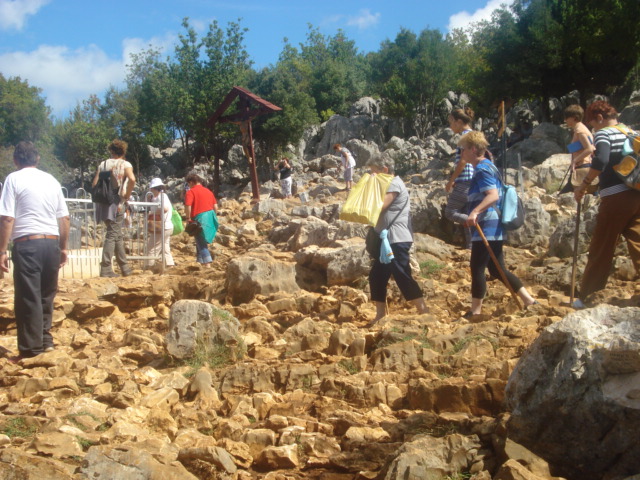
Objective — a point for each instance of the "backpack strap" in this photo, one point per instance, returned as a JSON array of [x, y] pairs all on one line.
[[495, 205]]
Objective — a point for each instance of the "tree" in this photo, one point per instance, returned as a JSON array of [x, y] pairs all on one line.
[[543, 48], [412, 74], [337, 72], [23, 112], [84, 137], [286, 85]]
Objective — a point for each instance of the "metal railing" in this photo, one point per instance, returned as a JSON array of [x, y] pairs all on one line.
[[141, 230]]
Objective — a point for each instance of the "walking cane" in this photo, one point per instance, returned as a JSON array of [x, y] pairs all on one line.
[[576, 236], [497, 264]]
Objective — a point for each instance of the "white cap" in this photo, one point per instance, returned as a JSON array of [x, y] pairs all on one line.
[[156, 182]]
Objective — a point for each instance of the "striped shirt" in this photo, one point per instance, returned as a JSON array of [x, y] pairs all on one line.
[[609, 142], [485, 178], [467, 173]]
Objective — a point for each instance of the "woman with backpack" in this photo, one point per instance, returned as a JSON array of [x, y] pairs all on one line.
[[119, 172], [485, 192], [619, 210], [160, 219]]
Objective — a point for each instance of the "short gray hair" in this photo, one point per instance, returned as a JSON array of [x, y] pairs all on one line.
[[381, 160]]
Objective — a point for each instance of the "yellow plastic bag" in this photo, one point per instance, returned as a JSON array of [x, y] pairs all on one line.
[[365, 200]]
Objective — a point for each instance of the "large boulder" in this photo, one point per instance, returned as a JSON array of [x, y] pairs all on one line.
[[256, 274], [194, 321], [575, 394]]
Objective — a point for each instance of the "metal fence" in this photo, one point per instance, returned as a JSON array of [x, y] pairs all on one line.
[[142, 228]]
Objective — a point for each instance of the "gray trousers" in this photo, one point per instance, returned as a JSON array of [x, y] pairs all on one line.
[[114, 244], [35, 278]]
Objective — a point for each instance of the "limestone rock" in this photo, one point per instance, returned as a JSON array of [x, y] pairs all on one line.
[[249, 276], [106, 463], [575, 394], [193, 321]]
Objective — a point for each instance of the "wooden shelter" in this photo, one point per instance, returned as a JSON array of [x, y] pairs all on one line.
[[250, 106]]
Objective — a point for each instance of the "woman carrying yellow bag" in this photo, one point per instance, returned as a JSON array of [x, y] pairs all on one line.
[[395, 218], [365, 200]]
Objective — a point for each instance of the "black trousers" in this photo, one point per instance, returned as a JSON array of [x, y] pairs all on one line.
[[35, 277], [480, 260], [400, 268]]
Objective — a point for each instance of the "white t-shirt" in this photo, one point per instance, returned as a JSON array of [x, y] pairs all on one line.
[[168, 224], [34, 199], [347, 159]]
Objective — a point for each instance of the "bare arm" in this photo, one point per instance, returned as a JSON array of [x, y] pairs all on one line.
[[6, 227], [63, 232], [490, 197], [95, 178], [128, 173], [456, 173], [587, 149], [579, 192], [187, 211]]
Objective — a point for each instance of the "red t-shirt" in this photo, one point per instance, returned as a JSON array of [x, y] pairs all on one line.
[[200, 199]]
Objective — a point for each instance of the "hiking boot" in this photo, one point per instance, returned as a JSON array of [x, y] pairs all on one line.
[[126, 272]]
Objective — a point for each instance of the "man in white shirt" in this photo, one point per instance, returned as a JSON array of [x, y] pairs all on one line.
[[34, 216]]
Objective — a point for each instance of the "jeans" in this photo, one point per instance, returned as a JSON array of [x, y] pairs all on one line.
[[202, 249], [114, 243]]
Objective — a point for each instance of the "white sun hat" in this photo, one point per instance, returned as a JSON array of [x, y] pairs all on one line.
[[156, 182]]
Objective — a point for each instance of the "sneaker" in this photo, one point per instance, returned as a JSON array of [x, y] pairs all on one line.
[[126, 272], [109, 274], [49, 349], [578, 304]]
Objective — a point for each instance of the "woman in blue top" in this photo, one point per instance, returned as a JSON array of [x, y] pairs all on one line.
[[484, 193], [458, 184]]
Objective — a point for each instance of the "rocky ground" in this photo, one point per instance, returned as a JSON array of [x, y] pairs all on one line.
[[308, 389]]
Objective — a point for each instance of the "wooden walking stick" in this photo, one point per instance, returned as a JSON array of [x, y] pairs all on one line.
[[497, 264], [576, 237]]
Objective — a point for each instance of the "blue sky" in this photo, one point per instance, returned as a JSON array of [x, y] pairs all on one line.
[[73, 48]]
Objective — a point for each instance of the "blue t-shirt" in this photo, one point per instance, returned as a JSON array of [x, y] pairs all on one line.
[[485, 178]]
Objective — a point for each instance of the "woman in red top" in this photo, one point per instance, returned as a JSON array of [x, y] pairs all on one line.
[[200, 205]]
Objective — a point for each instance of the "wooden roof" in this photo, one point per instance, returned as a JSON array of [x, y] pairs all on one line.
[[262, 107]]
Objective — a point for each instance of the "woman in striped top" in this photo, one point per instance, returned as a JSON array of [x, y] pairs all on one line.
[[458, 184], [619, 211]]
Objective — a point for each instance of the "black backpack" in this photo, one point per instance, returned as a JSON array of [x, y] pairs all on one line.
[[104, 191]]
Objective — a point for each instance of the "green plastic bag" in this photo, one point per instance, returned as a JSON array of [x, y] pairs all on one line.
[[176, 219]]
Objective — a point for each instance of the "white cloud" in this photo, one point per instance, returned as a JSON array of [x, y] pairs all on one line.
[[364, 19], [13, 13], [67, 76], [464, 19]]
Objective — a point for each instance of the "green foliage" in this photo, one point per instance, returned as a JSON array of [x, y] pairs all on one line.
[[82, 139], [429, 268], [349, 366], [85, 443], [23, 113], [18, 427], [412, 73], [542, 48], [214, 355]]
